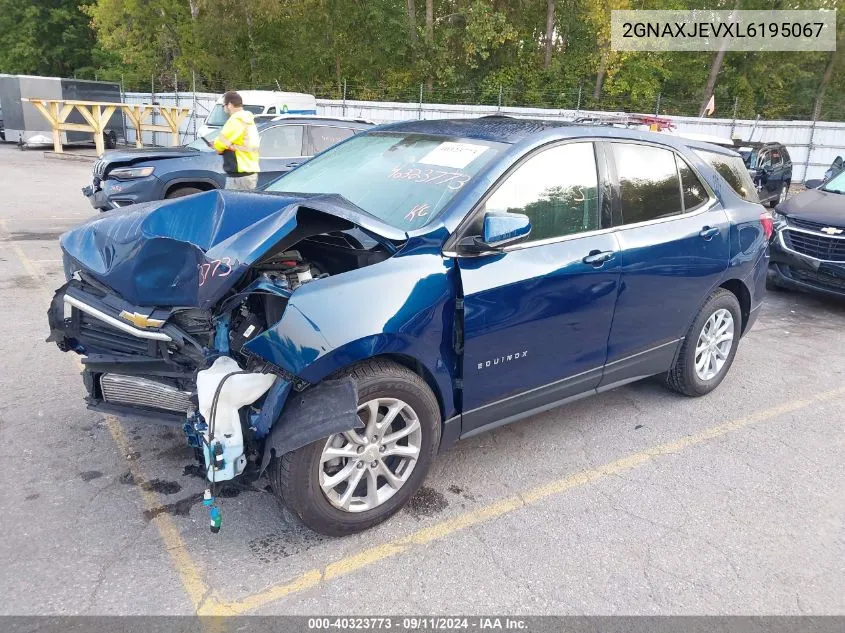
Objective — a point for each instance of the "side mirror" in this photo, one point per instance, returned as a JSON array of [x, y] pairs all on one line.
[[814, 183], [504, 229]]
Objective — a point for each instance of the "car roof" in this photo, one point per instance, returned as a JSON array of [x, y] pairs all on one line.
[[505, 129], [290, 119], [709, 147]]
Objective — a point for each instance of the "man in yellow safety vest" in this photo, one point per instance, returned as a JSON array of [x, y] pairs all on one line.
[[238, 143]]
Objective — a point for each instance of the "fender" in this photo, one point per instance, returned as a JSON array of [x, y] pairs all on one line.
[[328, 408], [203, 180], [402, 305]]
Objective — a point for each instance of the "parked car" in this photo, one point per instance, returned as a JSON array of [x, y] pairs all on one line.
[[129, 176], [416, 284], [261, 103], [771, 169], [808, 245]]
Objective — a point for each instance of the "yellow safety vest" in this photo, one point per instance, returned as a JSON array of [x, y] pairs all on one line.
[[240, 156]]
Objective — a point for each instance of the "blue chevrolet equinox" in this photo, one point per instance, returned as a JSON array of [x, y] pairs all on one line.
[[416, 284]]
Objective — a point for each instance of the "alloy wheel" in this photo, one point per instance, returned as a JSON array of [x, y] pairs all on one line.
[[714, 344], [361, 469]]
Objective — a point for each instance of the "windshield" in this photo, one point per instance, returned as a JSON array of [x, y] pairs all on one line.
[[836, 184], [403, 179], [217, 117]]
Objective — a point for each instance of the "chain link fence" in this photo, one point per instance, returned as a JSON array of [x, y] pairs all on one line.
[[813, 143]]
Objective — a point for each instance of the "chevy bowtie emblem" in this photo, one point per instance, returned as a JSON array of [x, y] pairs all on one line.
[[832, 230], [140, 320]]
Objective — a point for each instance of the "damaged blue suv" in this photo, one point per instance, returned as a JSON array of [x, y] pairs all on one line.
[[416, 284]]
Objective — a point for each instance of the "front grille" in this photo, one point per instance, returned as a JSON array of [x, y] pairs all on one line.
[[817, 246], [99, 169], [141, 392], [99, 335], [817, 278], [807, 224]]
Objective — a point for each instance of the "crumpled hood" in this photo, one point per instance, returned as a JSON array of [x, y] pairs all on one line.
[[134, 155], [191, 251], [817, 206]]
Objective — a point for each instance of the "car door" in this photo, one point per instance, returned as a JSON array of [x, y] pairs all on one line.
[[536, 315], [776, 176], [674, 240], [280, 150], [321, 137], [764, 175]]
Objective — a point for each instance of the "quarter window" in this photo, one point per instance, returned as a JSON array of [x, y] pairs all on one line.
[[557, 189], [695, 194], [648, 181], [282, 141], [734, 171]]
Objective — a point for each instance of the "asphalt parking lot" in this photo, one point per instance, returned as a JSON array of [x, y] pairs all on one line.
[[634, 502]]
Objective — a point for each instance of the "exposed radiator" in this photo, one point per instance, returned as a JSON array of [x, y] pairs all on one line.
[[141, 392]]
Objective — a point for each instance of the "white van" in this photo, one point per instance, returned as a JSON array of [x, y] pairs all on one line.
[[261, 102]]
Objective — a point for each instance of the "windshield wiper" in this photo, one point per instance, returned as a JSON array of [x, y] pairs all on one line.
[[833, 191]]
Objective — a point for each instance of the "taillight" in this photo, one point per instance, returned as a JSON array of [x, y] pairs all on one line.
[[767, 223]]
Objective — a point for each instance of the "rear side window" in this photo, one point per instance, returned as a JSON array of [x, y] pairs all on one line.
[[695, 193], [732, 169], [648, 181], [321, 137]]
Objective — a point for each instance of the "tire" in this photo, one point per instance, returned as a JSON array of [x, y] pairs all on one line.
[[296, 477], [784, 191], [683, 377], [110, 139], [181, 192]]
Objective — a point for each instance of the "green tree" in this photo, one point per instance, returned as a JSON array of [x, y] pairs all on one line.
[[44, 37]]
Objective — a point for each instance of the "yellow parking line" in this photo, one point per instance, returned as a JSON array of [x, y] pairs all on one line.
[[205, 603], [181, 560], [370, 556]]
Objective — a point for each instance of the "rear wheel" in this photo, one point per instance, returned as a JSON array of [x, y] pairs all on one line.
[[110, 139], [181, 192], [709, 348], [351, 481]]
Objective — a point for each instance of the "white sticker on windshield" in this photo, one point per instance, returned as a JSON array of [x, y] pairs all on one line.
[[450, 154]]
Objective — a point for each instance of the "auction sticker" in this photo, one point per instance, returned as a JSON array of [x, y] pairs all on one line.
[[450, 154]]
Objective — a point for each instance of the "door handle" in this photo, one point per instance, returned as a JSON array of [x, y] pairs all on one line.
[[709, 232], [598, 258]]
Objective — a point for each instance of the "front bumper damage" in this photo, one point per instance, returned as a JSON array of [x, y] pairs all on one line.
[[167, 374]]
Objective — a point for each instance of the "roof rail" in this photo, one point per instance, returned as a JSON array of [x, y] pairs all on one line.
[[623, 119]]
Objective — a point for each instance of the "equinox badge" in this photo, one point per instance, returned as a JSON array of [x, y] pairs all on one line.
[[140, 320]]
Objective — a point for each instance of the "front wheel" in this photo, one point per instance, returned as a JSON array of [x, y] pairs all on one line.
[[709, 347], [784, 191], [354, 480], [181, 192]]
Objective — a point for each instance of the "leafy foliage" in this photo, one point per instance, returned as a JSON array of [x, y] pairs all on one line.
[[480, 51]]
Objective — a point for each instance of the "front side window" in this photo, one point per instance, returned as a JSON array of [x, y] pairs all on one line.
[[404, 179], [281, 141], [648, 182], [765, 160], [557, 189]]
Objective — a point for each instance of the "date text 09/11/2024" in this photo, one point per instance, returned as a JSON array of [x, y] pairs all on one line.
[[417, 623]]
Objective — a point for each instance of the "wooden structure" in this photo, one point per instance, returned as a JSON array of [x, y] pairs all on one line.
[[98, 113]]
